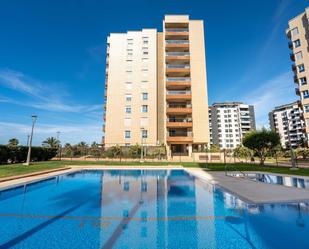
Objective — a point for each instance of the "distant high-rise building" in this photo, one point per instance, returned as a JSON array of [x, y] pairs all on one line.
[[287, 121], [156, 87], [229, 123], [298, 33]]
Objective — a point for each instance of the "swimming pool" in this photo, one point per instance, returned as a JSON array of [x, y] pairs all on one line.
[[288, 181], [143, 209]]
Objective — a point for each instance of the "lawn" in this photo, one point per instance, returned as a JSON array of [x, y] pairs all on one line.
[[19, 169]]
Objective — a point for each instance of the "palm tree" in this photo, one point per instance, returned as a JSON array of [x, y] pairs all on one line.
[[68, 150], [95, 150], [82, 148], [13, 142], [51, 142]]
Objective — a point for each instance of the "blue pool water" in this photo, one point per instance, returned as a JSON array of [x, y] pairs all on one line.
[[143, 209]]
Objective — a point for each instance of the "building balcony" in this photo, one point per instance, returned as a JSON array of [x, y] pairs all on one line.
[[181, 57], [178, 79], [176, 35], [290, 45], [176, 29], [178, 95], [173, 70], [292, 57], [180, 137], [297, 92], [171, 109], [179, 123]]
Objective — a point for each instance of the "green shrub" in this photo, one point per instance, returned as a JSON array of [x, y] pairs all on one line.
[[18, 154]]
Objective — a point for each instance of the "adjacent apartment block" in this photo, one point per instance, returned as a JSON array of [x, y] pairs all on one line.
[[156, 87], [229, 123], [287, 121], [298, 33]]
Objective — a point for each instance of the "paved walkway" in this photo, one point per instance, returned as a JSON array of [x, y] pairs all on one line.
[[251, 191]]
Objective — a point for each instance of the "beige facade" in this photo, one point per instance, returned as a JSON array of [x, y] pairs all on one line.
[[298, 33], [176, 87]]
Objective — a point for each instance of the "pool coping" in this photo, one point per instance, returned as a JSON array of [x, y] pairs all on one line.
[[222, 181]]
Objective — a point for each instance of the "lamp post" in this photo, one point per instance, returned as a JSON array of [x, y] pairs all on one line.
[[290, 143], [59, 147], [34, 118], [142, 148], [28, 138]]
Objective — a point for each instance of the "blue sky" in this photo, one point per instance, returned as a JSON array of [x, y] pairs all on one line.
[[52, 58]]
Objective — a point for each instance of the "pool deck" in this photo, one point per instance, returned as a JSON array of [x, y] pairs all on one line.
[[251, 191], [247, 190]]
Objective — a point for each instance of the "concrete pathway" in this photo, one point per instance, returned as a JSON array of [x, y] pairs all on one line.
[[251, 191]]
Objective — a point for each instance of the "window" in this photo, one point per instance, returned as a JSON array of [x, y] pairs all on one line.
[[303, 81], [127, 134], [306, 94], [294, 32], [127, 122], [296, 43], [128, 109], [128, 97], [306, 108], [144, 96], [145, 52], [128, 85], [144, 133], [301, 68], [298, 56], [145, 108]]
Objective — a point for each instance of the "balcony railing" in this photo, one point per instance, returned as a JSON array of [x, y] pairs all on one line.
[[180, 66], [177, 41], [176, 30], [178, 92], [177, 54], [180, 134], [179, 106], [179, 120], [178, 79]]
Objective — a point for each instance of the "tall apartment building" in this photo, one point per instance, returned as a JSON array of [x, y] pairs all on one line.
[[229, 123], [298, 33], [287, 121], [156, 87]]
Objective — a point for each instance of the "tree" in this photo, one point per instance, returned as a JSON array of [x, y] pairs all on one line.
[[13, 142], [82, 148], [242, 152], [213, 148], [95, 149], [51, 142], [159, 152], [261, 142], [303, 152], [135, 151], [68, 150]]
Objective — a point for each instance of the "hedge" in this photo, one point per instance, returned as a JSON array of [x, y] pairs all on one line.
[[18, 154]]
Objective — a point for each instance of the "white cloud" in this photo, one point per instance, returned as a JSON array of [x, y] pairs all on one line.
[[42, 97], [73, 133], [276, 91]]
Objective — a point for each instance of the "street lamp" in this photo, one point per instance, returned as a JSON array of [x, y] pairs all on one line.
[[34, 118], [59, 145], [142, 148], [289, 138]]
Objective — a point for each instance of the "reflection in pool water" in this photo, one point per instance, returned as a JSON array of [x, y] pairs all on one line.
[[289, 181], [143, 209]]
